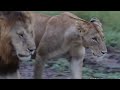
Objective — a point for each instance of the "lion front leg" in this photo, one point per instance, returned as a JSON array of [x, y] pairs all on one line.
[[76, 62], [38, 67]]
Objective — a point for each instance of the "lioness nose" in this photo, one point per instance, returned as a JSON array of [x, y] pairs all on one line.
[[104, 52]]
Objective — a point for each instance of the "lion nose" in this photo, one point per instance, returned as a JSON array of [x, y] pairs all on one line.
[[31, 49]]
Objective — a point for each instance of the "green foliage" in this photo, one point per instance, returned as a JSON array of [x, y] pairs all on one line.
[[112, 37], [61, 65], [96, 74]]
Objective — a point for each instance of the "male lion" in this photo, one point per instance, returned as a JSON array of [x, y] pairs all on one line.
[[66, 34], [16, 41]]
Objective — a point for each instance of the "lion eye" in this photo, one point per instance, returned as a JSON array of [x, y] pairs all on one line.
[[21, 35]]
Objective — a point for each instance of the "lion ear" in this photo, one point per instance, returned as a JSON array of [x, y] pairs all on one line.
[[96, 21]]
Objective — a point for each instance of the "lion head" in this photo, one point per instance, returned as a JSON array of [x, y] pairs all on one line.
[[93, 36], [16, 35]]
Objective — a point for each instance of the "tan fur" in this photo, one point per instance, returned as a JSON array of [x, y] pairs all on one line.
[[66, 34], [12, 22]]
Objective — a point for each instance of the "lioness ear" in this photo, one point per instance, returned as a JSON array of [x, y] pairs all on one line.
[[96, 21]]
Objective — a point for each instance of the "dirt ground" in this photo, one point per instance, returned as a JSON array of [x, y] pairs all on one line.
[[106, 67]]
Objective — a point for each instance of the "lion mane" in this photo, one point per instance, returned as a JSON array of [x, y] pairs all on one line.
[[9, 62]]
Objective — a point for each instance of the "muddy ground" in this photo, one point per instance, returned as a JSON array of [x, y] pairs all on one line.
[[106, 67]]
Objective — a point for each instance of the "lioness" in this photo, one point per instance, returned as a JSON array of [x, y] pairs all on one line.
[[16, 41], [66, 34]]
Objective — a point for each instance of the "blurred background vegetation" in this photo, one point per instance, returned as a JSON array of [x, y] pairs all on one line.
[[110, 20]]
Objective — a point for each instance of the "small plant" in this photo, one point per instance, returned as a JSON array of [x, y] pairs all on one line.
[[61, 65]]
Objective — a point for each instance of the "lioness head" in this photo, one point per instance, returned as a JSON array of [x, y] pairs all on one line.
[[93, 37], [20, 33]]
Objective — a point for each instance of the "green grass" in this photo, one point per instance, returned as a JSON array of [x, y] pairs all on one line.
[[63, 66], [112, 37], [96, 74]]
